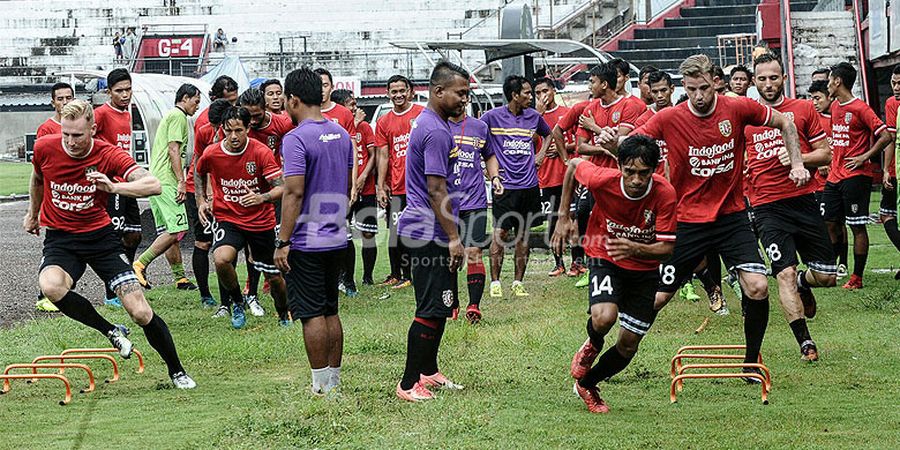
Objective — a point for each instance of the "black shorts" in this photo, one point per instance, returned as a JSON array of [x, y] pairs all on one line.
[[101, 249], [365, 214], [632, 291], [260, 243], [550, 197], [820, 200], [312, 283], [584, 204], [395, 207], [889, 200], [730, 236], [436, 290], [202, 233], [793, 225], [473, 228], [848, 201], [124, 213], [517, 209]]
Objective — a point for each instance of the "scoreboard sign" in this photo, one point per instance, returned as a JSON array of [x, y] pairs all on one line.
[[171, 47]]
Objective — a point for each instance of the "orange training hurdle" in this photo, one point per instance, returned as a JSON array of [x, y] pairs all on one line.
[[34, 370], [677, 369], [678, 379], [762, 367], [28, 376], [137, 353], [64, 358]]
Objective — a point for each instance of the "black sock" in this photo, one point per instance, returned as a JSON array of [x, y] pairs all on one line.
[[707, 279], [610, 363], [418, 347], [578, 254], [859, 264], [890, 227], [160, 339], [475, 278], [394, 256], [131, 252], [369, 255], [595, 337], [224, 296], [350, 262], [430, 365], [252, 279], [109, 293], [801, 332], [405, 263], [755, 323], [81, 310], [559, 261], [841, 250], [236, 296], [200, 264]]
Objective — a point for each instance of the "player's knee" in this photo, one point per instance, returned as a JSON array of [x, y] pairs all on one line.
[[474, 255], [131, 240], [788, 275], [756, 287], [140, 312], [603, 319], [52, 288], [858, 230], [628, 346]]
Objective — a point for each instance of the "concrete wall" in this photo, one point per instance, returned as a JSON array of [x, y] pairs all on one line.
[[14, 126], [823, 39]]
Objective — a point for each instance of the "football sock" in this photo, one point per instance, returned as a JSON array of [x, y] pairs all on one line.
[[394, 256], [707, 279], [578, 254], [252, 278], [430, 366], [147, 257], [595, 337], [224, 296], [559, 261], [890, 227], [801, 332], [802, 284], [859, 264], [109, 293], [755, 323], [178, 271], [334, 380], [405, 263], [418, 348], [369, 255], [610, 363], [81, 310], [200, 263], [130, 252], [159, 337], [841, 249], [350, 262], [475, 277], [320, 379]]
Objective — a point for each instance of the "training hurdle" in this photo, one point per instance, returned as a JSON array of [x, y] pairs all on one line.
[[62, 366], [30, 376], [64, 358], [136, 352], [678, 368]]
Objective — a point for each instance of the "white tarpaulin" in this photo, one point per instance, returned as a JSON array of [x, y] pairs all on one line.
[[234, 68]]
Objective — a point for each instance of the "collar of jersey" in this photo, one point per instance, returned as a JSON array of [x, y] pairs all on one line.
[[711, 110], [411, 106], [776, 104], [647, 192], [848, 101], [230, 153], [604, 106], [77, 157], [120, 111]]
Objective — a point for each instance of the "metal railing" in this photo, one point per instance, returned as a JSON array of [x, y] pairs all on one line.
[[742, 46]]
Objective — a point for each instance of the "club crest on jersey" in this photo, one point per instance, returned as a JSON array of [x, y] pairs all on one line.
[[725, 128], [649, 217], [412, 123], [616, 116], [273, 141], [447, 297], [789, 115], [90, 169], [854, 208], [848, 117], [251, 168]]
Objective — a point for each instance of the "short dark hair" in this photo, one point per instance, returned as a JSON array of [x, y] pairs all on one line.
[[821, 72], [116, 76], [744, 69], [845, 72], [513, 84], [340, 96], [646, 70], [896, 70], [544, 80], [186, 89], [253, 97], [320, 71], [639, 147], [606, 72], [306, 85], [820, 86], [236, 113], [659, 75], [217, 110], [444, 71], [222, 84], [399, 78], [718, 72], [59, 86], [621, 66], [682, 99], [269, 82], [765, 58]]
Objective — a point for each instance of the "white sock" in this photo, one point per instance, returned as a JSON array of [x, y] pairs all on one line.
[[320, 379], [516, 283], [335, 379], [495, 283]]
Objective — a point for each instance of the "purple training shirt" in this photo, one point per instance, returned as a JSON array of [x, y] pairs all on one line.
[[431, 151], [322, 152], [511, 138], [471, 137]]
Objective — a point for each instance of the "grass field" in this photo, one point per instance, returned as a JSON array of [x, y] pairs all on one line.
[[14, 177], [253, 383]]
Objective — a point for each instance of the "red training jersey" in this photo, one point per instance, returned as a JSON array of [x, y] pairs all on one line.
[[646, 219], [341, 116], [113, 126], [392, 131], [890, 120], [706, 154], [663, 149], [767, 176], [365, 143], [272, 133], [203, 138], [200, 119], [553, 170], [233, 175], [620, 113], [50, 126], [852, 125], [71, 203]]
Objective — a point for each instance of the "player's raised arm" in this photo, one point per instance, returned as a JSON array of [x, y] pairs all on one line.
[[799, 175]]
